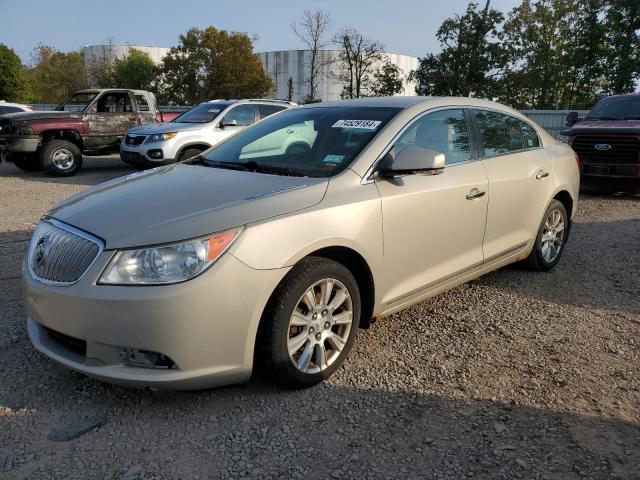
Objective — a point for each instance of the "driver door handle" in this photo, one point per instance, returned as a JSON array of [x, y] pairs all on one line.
[[475, 193], [542, 174]]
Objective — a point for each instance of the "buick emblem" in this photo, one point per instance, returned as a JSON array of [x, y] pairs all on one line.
[[41, 250], [602, 147]]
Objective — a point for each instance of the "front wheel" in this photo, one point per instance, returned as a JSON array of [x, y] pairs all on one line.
[[61, 158], [310, 324], [551, 238]]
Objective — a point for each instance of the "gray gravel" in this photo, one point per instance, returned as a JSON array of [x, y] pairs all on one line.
[[515, 375]]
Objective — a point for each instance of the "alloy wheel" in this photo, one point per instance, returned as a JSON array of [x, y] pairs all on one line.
[[552, 235], [320, 325]]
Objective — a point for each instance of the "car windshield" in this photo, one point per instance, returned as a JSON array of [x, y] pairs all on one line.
[[314, 142], [203, 113], [76, 102], [616, 108]]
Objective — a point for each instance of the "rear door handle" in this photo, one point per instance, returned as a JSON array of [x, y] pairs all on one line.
[[475, 193], [542, 174]]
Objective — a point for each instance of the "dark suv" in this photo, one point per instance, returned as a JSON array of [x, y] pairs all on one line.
[[607, 141]]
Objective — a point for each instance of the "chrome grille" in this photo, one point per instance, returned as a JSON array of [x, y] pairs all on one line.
[[61, 254], [620, 149]]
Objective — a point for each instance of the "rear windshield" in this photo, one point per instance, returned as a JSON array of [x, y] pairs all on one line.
[[314, 142], [203, 113], [616, 108]]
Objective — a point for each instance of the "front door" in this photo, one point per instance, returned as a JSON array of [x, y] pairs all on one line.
[[433, 225], [109, 120], [519, 172], [236, 119]]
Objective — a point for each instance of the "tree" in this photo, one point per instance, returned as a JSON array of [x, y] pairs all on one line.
[[472, 56], [13, 85], [55, 75], [208, 64], [623, 45], [357, 59], [135, 71], [387, 81], [312, 30]]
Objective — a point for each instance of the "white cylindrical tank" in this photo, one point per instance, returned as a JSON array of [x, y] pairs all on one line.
[[94, 53], [283, 65]]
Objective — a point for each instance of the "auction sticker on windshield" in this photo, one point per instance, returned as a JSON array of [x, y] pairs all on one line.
[[362, 124]]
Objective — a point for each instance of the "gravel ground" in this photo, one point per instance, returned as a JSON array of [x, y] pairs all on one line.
[[515, 375]]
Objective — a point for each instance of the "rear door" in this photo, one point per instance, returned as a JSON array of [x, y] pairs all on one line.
[[433, 225], [519, 172]]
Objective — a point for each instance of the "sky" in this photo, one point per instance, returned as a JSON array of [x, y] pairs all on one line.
[[403, 26]]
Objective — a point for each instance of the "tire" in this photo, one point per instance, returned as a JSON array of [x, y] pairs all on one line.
[[543, 258], [275, 331], [27, 162], [61, 158], [188, 153]]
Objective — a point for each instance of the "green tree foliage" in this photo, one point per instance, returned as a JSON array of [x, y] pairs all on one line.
[[471, 57], [387, 81], [209, 64], [55, 75], [13, 85], [623, 45], [546, 54], [135, 71]]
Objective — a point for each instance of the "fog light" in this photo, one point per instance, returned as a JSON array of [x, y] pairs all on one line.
[[146, 359], [155, 154]]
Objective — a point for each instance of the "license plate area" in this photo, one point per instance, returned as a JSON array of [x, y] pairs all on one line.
[[599, 170]]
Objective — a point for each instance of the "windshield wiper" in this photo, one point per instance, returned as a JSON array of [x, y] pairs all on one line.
[[248, 166]]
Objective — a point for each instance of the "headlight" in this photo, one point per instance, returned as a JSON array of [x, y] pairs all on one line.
[[158, 137], [173, 263]]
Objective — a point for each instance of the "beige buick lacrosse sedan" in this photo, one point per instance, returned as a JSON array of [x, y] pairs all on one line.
[[186, 276]]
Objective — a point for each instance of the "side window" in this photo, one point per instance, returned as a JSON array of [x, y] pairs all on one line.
[[266, 110], [503, 133], [244, 115], [114, 103], [4, 110], [143, 104], [445, 131]]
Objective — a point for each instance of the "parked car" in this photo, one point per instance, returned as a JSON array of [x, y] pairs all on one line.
[[6, 107], [90, 122], [188, 275], [196, 130], [607, 142]]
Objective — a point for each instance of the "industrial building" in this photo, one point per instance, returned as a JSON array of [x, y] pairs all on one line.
[[283, 65]]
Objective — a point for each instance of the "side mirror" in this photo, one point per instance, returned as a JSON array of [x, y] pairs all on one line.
[[411, 159], [228, 123], [572, 119]]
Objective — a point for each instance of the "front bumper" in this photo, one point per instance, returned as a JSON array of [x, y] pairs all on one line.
[[207, 325], [19, 143], [140, 154]]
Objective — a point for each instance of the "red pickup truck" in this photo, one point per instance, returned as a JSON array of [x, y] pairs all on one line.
[[607, 142], [89, 122]]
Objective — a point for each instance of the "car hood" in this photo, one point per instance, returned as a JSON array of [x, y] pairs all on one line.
[[26, 116], [151, 128], [604, 127], [180, 201]]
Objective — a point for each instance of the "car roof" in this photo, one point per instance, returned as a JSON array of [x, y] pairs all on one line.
[[404, 102]]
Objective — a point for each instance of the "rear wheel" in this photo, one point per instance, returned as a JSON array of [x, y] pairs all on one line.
[[27, 162], [551, 238], [310, 323], [61, 158]]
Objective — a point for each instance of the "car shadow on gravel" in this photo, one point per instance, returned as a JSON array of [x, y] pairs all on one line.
[[94, 170], [329, 431], [599, 269]]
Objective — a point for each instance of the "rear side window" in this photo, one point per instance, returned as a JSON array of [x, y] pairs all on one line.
[[266, 110], [444, 131], [502, 133], [9, 110], [143, 105]]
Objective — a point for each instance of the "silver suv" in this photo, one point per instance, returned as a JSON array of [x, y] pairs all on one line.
[[195, 130]]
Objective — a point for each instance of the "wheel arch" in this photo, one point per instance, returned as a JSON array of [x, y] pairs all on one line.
[[70, 135], [187, 146], [564, 197]]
